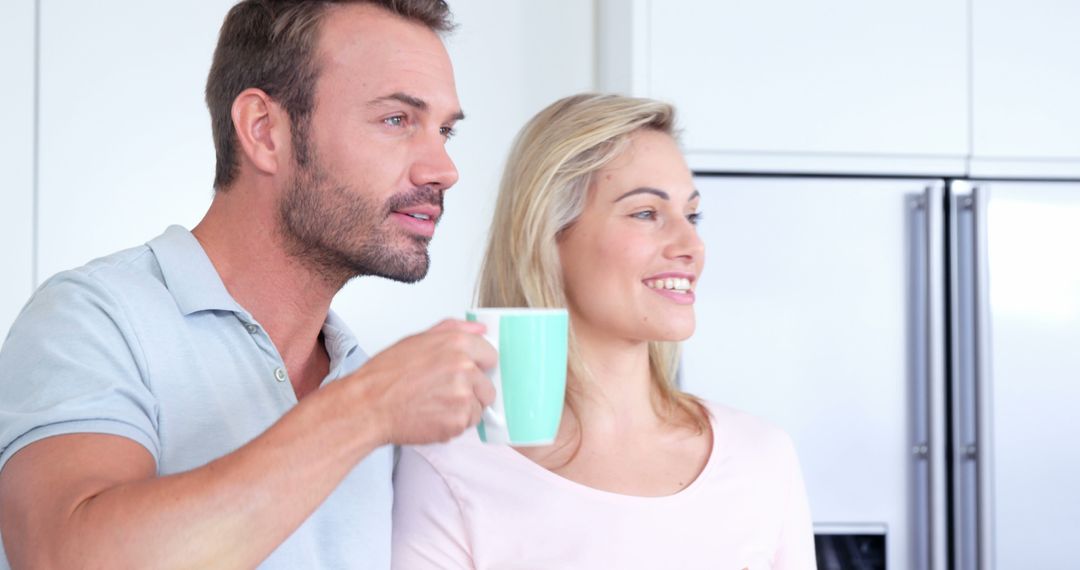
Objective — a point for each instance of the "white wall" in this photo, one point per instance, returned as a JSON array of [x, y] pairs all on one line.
[[124, 133], [126, 148], [16, 157]]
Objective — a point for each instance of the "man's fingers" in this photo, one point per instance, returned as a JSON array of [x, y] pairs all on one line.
[[483, 354], [475, 415], [484, 390], [459, 325]]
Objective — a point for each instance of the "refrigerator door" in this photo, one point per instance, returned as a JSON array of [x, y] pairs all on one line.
[[1029, 394], [821, 309]]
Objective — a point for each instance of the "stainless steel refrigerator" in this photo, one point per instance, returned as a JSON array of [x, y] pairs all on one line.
[[919, 339]]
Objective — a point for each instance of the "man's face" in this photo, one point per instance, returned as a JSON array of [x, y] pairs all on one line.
[[368, 198]]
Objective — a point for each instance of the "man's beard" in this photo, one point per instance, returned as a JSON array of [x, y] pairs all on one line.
[[340, 232]]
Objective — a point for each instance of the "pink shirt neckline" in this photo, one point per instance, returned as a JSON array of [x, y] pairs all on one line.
[[532, 468]]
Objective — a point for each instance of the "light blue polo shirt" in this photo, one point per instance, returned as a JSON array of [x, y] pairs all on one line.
[[148, 344]]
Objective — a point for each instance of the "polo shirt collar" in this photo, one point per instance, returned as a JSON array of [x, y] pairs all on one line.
[[189, 274], [196, 285], [338, 338]]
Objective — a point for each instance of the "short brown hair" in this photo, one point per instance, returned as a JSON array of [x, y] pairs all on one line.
[[270, 45]]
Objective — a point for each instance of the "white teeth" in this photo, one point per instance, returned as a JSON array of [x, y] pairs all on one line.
[[672, 284]]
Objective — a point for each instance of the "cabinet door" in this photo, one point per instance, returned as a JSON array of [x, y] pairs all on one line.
[[1026, 84], [16, 158], [787, 85], [125, 136], [820, 309]]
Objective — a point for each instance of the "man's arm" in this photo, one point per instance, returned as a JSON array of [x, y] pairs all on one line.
[[91, 500]]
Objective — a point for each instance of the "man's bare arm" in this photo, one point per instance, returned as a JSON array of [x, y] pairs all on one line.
[[91, 500]]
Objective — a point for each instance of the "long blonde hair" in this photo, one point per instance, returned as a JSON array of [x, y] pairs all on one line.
[[542, 193]]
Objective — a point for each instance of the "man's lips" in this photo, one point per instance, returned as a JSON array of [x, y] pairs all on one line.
[[419, 220], [422, 212]]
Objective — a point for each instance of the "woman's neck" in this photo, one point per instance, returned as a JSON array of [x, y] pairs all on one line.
[[611, 436], [616, 392]]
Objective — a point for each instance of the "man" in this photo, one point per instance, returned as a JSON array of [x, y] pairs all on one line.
[[193, 402]]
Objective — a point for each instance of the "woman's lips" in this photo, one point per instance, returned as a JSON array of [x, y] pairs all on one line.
[[682, 298]]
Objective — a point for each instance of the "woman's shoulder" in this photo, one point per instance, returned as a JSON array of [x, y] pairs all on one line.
[[742, 434], [467, 443], [458, 458], [480, 476]]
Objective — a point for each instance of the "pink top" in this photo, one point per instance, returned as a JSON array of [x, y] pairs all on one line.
[[467, 504]]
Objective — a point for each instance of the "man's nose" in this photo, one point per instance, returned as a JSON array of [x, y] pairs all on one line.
[[434, 167]]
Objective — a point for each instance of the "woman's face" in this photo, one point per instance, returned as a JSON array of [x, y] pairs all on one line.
[[632, 260]]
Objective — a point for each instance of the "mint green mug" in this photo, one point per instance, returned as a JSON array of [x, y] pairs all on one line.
[[530, 378]]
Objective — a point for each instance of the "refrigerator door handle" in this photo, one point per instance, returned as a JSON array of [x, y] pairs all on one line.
[[919, 294], [984, 460], [926, 302], [971, 393]]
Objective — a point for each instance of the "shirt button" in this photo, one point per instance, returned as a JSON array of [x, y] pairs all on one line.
[[279, 373], [251, 328]]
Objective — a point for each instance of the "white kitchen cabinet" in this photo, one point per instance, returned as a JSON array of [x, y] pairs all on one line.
[[124, 133], [16, 158], [821, 309], [783, 85], [1026, 88]]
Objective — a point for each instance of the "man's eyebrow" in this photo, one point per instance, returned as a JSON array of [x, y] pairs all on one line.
[[412, 101]]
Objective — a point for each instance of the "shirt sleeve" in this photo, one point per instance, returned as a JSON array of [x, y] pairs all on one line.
[[72, 364], [795, 550], [428, 527]]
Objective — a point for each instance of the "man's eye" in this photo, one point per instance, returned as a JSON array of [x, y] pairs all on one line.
[[644, 215], [395, 121]]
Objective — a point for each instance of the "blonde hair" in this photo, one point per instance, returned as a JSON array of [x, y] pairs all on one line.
[[543, 192]]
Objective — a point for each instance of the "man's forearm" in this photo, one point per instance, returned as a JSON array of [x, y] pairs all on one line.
[[232, 512]]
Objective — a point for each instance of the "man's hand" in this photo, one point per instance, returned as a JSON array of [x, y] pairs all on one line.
[[429, 387]]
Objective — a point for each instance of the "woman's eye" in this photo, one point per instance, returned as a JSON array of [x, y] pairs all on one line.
[[694, 218], [447, 132], [644, 215]]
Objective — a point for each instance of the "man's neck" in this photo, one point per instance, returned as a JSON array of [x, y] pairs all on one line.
[[284, 295]]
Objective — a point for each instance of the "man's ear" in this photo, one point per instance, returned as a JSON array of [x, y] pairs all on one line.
[[262, 129]]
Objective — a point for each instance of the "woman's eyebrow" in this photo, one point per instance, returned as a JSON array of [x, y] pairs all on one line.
[[644, 190]]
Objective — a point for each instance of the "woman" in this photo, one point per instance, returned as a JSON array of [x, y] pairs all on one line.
[[597, 213]]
